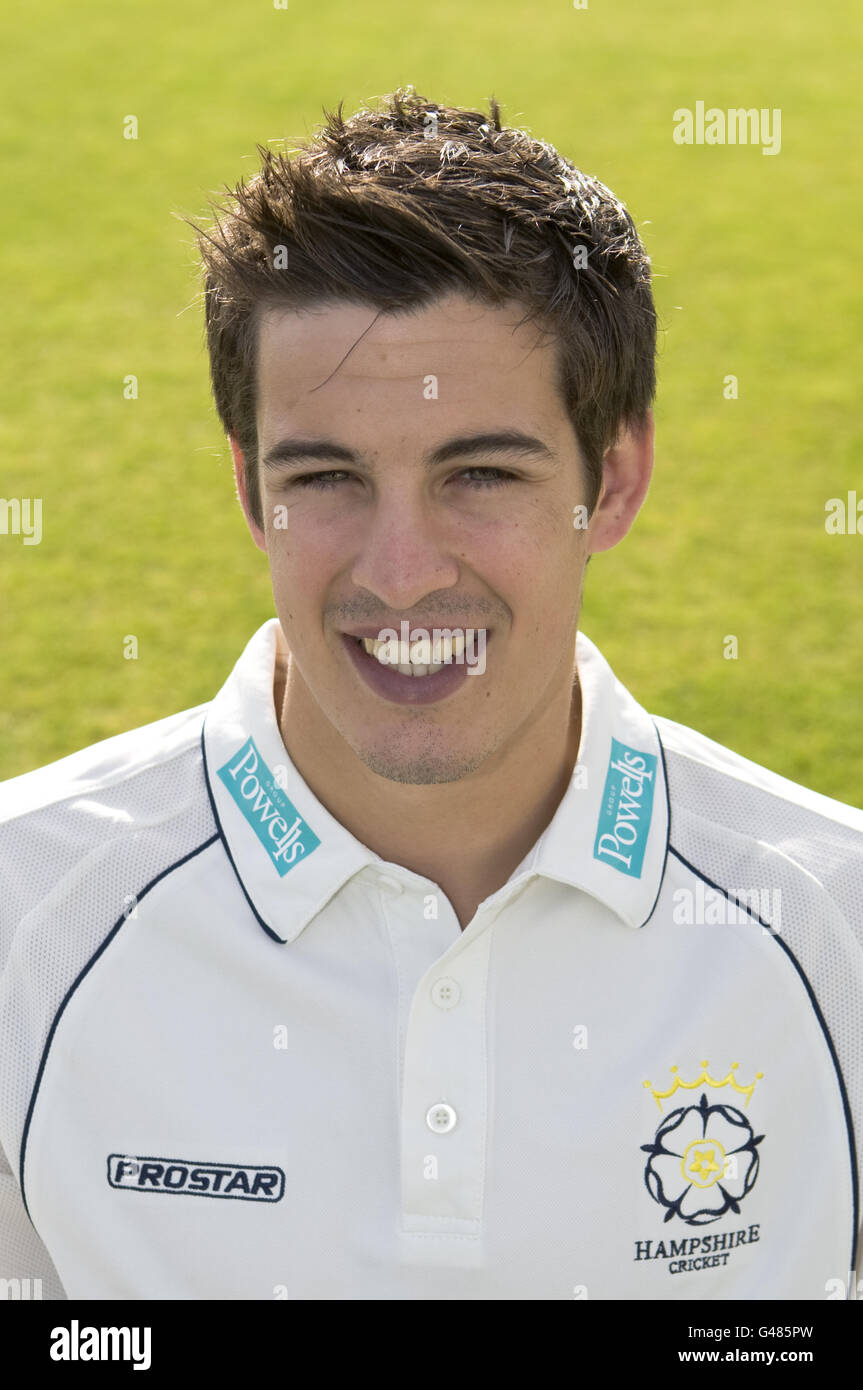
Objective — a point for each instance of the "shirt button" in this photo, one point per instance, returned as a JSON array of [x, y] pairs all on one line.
[[446, 992], [441, 1118]]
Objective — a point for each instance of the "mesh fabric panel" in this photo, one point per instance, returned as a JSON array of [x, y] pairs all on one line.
[[69, 870]]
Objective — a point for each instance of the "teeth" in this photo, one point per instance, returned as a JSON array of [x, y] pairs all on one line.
[[425, 658], [442, 649]]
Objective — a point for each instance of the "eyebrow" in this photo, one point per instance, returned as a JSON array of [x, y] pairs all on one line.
[[292, 453]]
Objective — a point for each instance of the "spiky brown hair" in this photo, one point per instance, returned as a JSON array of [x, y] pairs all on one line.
[[399, 204]]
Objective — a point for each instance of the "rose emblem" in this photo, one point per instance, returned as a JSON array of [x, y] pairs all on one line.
[[703, 1161]]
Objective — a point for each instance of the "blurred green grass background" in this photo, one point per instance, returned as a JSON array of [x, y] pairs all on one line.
[[757, 273]]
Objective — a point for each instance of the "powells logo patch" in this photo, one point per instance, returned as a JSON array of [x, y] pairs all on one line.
[[273, 817], [241, 1181], [704, 1157], [627, 806]]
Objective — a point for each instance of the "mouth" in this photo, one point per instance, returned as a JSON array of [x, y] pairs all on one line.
[[414, 681]]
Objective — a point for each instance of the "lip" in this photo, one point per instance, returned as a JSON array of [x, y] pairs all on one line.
[[390, 685], [374, 630]]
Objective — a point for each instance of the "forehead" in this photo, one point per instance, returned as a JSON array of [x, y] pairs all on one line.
[[356, 359]]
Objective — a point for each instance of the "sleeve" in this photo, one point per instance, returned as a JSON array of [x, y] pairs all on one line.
[[26, 1268]]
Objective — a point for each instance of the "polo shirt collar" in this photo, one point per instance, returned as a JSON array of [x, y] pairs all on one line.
[[608, 837], [289, 854]]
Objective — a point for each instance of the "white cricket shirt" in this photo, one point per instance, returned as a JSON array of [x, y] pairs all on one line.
[[243, 1057]]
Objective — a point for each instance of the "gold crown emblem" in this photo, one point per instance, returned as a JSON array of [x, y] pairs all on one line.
[[704, 1080]]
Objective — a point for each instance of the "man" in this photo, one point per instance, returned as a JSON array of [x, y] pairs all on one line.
[[429, 958]]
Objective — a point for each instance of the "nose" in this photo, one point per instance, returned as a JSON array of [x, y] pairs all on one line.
[[403, 554]]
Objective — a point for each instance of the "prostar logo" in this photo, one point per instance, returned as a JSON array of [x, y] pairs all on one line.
[[273, 817], [242, 1181], [627, 807]]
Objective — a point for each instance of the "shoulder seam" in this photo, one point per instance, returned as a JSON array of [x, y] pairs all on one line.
[[107, 782], [778, 793]]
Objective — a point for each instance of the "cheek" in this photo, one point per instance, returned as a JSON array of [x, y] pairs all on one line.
[[536, 548], [300, 546]]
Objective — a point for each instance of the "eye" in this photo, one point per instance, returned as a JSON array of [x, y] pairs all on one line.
[[321, 480], [488, 477]]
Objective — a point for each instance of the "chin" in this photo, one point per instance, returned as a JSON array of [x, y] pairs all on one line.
[[422, 767]]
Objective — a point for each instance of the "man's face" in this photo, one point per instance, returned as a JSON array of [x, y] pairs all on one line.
[[396, 529]]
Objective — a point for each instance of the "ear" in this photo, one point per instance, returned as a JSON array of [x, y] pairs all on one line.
[[626, 471], [240, 478]]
